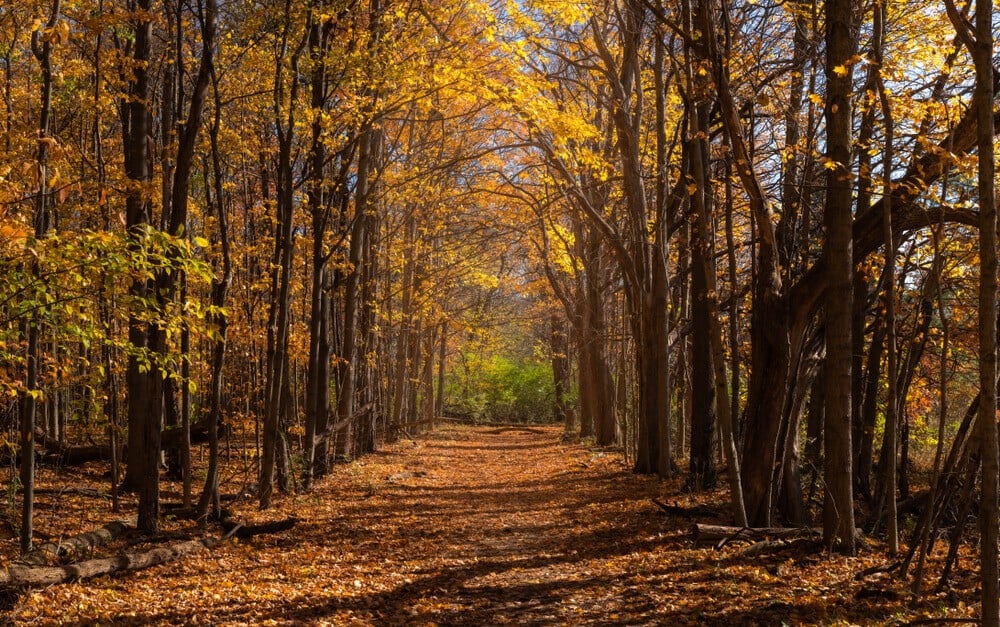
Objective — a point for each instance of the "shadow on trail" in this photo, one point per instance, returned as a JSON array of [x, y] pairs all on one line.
[[559, 535], [476, 603], [491, 447]]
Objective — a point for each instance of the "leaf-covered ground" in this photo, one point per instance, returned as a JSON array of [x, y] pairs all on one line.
[[484, 526]]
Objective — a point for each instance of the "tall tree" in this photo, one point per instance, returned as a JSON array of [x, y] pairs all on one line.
[[42, 40], [838, 506], [642, 253], [981, 45], [145, 407], [288, 53]]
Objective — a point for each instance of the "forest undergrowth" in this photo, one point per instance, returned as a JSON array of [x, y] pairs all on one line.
[[477, 525]]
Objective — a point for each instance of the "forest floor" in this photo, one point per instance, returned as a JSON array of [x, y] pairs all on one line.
[[482, 526]]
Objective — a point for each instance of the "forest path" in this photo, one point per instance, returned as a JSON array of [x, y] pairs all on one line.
[[475, 526]]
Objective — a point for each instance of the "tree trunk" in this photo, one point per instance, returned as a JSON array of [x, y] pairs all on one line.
[[348, 354], [25, 576], [210, 498], [427, 376], [703, 474], [651, 366], [442, 362], [869, 409], [559, 347], [280, 305], [32, 325], [838, 510], [402, 365], [321, 199], [603, 395], [145, 408], [766, 392], [982, 52], [702, 471]]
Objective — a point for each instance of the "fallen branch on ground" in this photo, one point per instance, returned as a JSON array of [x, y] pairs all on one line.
[[878, 569], [244, 532], [74, 545], [711, 534], [75, 455], [767, 547], [687, 512], [721, 534], [20, 575], [89, 492]]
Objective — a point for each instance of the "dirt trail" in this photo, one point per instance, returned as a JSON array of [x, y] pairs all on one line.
[[475, 526]]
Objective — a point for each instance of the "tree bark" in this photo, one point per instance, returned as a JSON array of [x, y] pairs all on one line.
[[32, 326], [321, 199], [280, 305], [838, 509], [74, 545], [348, 353], [145, 403], [442, 363], [26, 576], [989, 522], [559, 347], [210, 498]]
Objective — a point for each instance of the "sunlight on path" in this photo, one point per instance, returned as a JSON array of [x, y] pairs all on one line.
[[472, 526], [522, 528]]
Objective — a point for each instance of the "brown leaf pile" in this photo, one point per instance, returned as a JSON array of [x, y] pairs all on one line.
[[488, 526]]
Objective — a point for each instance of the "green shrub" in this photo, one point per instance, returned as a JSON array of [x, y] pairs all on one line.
[[497, 389]]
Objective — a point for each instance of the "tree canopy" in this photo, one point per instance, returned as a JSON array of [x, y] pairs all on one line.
[[747, 242]]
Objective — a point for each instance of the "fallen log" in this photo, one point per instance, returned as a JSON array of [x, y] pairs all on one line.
[[706, 534], [89, 492], [75, 455], [244, 532], [768, 547], [20, 575], [76, 545], [697, 511], [160, 538], [878, 569], [174, 437], [65, 455], [721, 534]]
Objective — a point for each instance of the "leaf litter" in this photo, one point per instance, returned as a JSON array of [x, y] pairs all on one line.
[[472, 525]]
